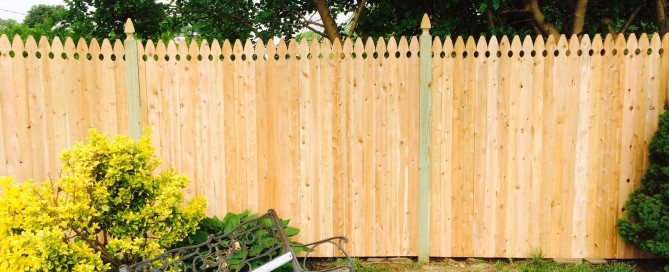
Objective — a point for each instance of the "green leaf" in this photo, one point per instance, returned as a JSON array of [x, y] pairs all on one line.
[[199, 237], [483, 7], [290, 231], [285, 222], [495, 4], [230, 221]]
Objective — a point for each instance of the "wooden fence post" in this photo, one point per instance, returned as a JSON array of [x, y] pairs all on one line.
[[424, 148], [132, 81]]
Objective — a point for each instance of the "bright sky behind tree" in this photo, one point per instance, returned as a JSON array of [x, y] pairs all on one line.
[[17, 9]]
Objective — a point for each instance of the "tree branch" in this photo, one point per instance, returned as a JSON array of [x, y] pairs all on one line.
[[629, 21], [580, 7], [356, 17], [96, 244], [547, 29]]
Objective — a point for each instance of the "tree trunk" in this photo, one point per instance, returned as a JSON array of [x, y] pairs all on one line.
[[579, 16], [328, 22], [539, 19], [661, 17]]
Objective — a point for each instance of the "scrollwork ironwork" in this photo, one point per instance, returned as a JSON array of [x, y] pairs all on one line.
[[243, 248]]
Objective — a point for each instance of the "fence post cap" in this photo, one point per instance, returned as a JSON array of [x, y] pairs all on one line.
[[129, 28], [425, 24]]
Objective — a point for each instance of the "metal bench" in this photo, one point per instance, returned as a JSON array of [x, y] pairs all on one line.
[[264, 237]]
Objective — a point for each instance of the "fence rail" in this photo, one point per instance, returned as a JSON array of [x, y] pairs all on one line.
[[535, 143]]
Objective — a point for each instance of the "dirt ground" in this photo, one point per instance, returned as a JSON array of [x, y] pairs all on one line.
[[482, 265]]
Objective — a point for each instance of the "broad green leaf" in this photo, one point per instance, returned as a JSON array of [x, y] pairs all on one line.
[[290, 231]]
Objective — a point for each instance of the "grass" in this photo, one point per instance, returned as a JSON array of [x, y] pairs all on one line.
[[536, 264]]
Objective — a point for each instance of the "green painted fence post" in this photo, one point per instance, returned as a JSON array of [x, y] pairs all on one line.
[[132, 81], [424, 148]]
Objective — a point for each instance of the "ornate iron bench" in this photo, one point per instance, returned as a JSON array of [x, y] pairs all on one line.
[[264, 237]]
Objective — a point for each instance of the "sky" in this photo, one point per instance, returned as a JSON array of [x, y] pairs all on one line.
[[16, 9]]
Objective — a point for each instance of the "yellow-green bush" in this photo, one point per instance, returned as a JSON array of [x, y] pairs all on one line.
[[106, 209]]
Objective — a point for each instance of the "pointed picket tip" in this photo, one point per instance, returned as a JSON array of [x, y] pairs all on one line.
[[17, 44], [414, 46], [437, 47], [425, 24], [56, 44], [44, 43], [281, 48], [493, 48], [161, 50], [303, 48], [31, 44], [403, 45], [270, 50], [314, 48], [259, 49], [655, 44], [481, 48], [632, 42], [551, 40], [369, 45], [182, 49], [644, 42], [505, 43], [459, 44], [106, 46], [150, 49], [539, 45], [292, 48], [171, 49], [359, 46], [448, 45], [5, 46], [392, 46], [597, 41], [69, 43], [585, 44], [665, 38], [347, 47], [562, 43], [471, 43], [192, 48], [493, 41], [216, 45], [527, 42], [381, 46], [516, 43]]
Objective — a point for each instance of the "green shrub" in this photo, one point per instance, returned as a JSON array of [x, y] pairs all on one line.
[[646, 222], [107, 209], [262, 240]]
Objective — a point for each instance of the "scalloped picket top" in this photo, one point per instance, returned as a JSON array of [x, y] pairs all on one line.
[[442, 47]]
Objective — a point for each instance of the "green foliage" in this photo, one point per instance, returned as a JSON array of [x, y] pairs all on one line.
[[41, 20], [106, 18], [262, 239], [543, 265], [646, 222], [107, 208]]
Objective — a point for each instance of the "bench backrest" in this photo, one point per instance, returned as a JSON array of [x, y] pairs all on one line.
[[245, 248]]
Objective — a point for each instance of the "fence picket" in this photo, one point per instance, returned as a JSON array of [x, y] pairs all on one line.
[[535, 143]]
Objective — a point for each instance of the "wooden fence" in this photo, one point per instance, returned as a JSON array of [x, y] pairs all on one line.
[[535, 144]]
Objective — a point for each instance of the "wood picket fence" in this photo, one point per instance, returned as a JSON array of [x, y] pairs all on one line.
[[535, 143]]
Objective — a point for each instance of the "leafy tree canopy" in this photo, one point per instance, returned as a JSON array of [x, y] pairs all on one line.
[[241, 19]]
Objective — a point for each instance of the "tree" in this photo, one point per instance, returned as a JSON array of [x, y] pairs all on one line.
[[44, 15], [41, 20], [106, 18]]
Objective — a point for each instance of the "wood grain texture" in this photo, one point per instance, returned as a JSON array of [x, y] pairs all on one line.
[[535, 143]]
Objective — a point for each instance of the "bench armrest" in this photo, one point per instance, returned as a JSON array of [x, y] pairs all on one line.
[[338, 242]]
